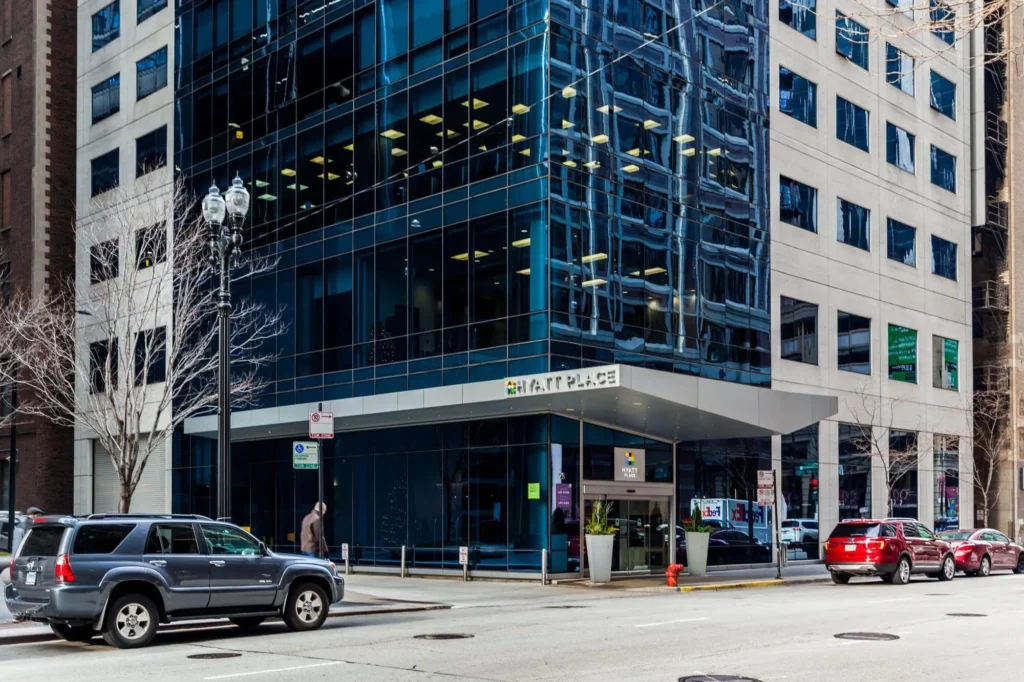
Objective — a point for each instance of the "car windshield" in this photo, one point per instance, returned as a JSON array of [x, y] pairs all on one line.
[[955, 534], [856, 530]]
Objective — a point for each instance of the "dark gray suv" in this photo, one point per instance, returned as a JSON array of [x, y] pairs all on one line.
[[122, 575]]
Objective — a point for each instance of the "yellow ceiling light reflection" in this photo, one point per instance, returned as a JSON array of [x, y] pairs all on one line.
[[570, 163], [592, 164], [520, 109], [518, 138], [594, 282], [299, 187], [649, 271], [398, 151], [599, 139], [683, 139], [392, 134], [482, 147], [262, 183], [330, 176], [267, 197], [432, 119], [478, 125], [288, 172], [477, 255], [477, 103], [631, 168], [594, 257], [319, 160], [349, 147], [437, 163], [568, 91], [689, 152], [717, 151], [567, 124], [450, 134], [609, 108], [521, 243], [524, 271], [525, 152], [650, 124], [634, 152]]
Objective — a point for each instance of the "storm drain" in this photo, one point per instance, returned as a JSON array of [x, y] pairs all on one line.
[[968, 615], [445, 635], [867, 636], [208, 657], [716, 678]]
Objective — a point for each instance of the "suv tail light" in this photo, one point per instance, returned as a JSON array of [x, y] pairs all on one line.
[[62, 571], [876, 544]]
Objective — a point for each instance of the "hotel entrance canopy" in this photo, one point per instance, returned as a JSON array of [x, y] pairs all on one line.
[[662, 405]]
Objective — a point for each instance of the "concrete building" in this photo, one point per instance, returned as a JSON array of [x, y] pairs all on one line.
[[37, 114], [125, 123]]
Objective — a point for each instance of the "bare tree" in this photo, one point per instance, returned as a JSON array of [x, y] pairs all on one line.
[[145, 356], [895, 449], [993, 439]]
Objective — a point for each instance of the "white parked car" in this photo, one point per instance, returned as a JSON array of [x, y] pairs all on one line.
[[803, 532]]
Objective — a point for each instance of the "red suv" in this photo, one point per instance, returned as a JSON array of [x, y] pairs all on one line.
[[892, 549]]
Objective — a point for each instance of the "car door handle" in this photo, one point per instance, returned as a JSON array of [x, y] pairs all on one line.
[[158, 562], [216, 563]]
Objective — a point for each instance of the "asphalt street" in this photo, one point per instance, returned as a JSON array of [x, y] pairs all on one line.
[[529, 632]]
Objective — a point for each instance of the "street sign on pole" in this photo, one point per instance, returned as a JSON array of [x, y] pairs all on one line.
[[463, 555], [765, 497], [321, 425], [344, 551], [766, 478], [305, 454]]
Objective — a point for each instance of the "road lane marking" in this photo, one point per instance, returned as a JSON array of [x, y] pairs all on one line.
[[669, 622], [275, 670]]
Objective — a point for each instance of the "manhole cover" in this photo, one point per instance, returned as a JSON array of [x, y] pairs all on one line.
[[566, 606], [967, 615], [867, 636], [445, 635], [716, 678], [207, 657]]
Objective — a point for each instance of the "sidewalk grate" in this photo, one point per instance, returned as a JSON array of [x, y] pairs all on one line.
[[968, 615], [210, 657], [445, 635], [716, 678], [867, 636]]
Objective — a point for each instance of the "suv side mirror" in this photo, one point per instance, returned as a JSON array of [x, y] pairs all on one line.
[[263, 549]]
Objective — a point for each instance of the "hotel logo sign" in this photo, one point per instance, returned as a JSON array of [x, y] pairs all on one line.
[[630, 465], [607, 376]]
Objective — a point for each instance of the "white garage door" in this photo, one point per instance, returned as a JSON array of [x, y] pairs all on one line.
[[150, 495]]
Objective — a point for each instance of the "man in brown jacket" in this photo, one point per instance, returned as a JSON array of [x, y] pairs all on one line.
[[312, 527]]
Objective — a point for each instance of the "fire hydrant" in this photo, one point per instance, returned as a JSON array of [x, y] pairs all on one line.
[[672, 574]]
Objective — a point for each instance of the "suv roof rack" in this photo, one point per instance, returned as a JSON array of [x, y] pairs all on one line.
[[198, 517]]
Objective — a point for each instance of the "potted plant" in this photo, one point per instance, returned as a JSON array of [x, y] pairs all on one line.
[[600, 537], [697, 535]]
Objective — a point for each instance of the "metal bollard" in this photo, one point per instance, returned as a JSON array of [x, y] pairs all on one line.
[[784, 554], [347, 572], [403, 561], [465, 573], [543, 567]]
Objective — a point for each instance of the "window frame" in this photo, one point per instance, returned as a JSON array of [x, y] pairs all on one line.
[[852, 112], [890, 224], [143, 164], [151, 9], [811, 92], [898, 78], [940, 365], [785, 181], [114, 32], [104, 261], [939, 241], [804, 10], [116, 108], [893, 149], [852, 36], [157, 68], [114, 153], [916, 359], [841, 229], [938, 154], [849, 332], [804, 349]]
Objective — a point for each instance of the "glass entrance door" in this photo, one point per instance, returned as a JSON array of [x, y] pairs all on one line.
[[641, 544]]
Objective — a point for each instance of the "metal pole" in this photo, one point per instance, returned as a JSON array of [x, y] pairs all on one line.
[[775, 517], [320, 491], [465, 573], [346, 565], [403, 561], [12, 471], [543, 567], [224, 399]]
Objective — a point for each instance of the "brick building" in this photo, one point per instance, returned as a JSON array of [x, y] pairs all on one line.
[[37, 186]]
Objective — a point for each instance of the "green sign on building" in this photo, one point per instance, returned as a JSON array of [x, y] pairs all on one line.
[[902, 354], [951, 359]]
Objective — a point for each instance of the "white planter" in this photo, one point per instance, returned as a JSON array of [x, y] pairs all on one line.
[[697, 553], [599, 557]]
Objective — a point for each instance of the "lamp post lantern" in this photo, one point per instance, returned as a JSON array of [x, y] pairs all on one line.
[[225, 242]]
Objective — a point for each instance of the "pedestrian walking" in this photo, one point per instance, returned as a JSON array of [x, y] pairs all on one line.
[[313, 542]]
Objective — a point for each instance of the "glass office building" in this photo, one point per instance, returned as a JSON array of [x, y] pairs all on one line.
[[464, 191]]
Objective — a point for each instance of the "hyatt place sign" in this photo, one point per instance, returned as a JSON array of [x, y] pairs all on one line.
[[606, 376]]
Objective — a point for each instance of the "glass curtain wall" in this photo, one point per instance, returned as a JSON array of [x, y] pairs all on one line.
[[946, 461], [799, 485]]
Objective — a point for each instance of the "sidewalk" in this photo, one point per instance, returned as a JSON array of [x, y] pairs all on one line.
[[714, 580]]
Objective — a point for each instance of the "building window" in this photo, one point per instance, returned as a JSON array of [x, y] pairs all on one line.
[[851, 40], [104, 261], [901, 242], [943, 169], [853, 226], [150, 356], [151, 73], [800, 491], [106, 172], [106, 25], [798, 204], [899, 147], [852, 124], [799, 330], [945, 363], [106, 98], [798, 97], [6, 124], [148, 8], [800, 16], [151, 151], [899, 69], [151, 246], [854, 472], [946, 465], [102, 375], [943, 19], [6, 197], [903, 456], [943, 258], [943, 95], [854, 342], [902, 354], [5, 283]]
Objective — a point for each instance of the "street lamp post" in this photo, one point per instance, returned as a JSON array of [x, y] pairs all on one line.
[[225, 242]]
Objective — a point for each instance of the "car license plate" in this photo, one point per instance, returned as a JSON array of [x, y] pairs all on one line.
[[851, 548], [30, 578]]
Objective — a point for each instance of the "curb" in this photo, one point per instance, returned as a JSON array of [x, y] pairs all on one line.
[[714, 587], [35, 638]]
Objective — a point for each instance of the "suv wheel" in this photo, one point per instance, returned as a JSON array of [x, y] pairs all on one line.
[[131, 622], [840, 578], [901, 576], [306, 607], [1019, 568], [73, 633], [248, 623], [948, 569]]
